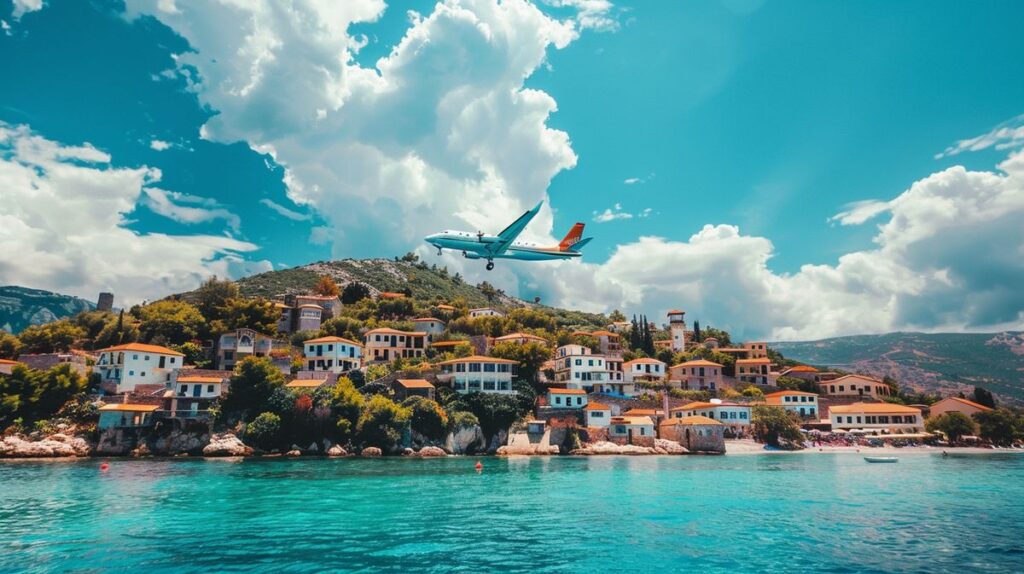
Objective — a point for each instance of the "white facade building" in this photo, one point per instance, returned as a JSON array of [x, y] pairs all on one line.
[[650, 370], [124, 367], [335, 354], [479, 374], [736, 416], [578, 368]]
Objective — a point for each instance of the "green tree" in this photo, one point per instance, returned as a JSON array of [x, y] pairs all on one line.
[[487, 290], [10, 346], [616, 316], [170, 322], [55, 337], [264, 431], [797, 384], [427, 417], [382, 423], [495, 412], [32, 395], [953, 424], [775, 426], [326, 287], [753, 392], [983, 396], [724, 340], [346, 327], [252, 385], [346, 406], [696, 332], [530, 356], [257, 314], [354, 292], [194, 354], [1000, 426], [123, 329], [211, 298]]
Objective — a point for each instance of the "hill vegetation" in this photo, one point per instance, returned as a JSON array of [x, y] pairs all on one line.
[[21, 307]]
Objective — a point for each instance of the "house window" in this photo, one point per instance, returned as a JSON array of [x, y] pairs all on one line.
[[184, 388], [503, 385], [135, 357], [596, 414], [209, 388], [489, 367]]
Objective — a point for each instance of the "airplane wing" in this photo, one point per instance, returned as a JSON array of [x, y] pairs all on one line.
[[509, 234]]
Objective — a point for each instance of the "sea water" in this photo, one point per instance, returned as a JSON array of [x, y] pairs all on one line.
[[760, 513]]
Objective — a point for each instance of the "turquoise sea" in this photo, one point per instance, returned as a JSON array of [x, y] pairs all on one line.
[[761, 513]]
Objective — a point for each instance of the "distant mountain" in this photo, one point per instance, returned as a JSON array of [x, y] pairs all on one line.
[[943, 362], [21, 307]]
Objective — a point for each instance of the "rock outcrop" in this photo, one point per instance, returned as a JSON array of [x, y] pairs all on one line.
[[465, 440], [370, 451], [58, 445], [429, 451], [226, 444], [336, 450], [599, 448]]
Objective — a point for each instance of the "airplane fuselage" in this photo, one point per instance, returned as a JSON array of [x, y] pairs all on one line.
[[475, 246]]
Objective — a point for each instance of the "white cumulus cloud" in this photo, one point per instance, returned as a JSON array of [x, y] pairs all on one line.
[[62, 226], [1006, 135]]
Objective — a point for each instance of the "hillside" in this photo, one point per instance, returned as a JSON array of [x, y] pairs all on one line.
[[21, 307], [427, 283], [943, 362]]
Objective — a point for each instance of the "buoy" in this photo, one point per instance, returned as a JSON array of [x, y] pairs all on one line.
[[104, 467], [479, 466]]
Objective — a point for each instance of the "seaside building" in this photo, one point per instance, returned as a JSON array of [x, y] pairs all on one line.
[[191, 395], [695, 433], [677, 328], [597, 415], [956, 405], [126, 415], [876, 416], [123, 367], [855, 386], [645, 369], [389, 344], [628, 429], [334, 354], [801, 403], [234, 346], [567, 398], [697, 375], [577, 367], [7, 366], [756, 371], [479, 374], [485, 312], [736, 416], [405, 388]]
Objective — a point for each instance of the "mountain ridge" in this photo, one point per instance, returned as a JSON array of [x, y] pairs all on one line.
[[21, 307]]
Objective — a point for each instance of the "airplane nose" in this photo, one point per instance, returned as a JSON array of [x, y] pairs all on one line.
[[432, 239]]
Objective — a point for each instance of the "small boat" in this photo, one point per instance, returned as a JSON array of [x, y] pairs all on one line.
[[881, 459]]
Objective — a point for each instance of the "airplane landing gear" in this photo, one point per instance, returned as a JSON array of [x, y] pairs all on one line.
[[490, 265], [439, 251]]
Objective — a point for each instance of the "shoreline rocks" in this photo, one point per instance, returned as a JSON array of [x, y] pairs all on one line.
[[226, 444], [54, 446], [610, 448]]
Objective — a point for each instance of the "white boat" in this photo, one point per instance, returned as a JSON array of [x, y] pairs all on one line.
[[881, 459]]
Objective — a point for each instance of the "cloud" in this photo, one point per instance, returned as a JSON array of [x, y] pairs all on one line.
[[169, 205], [595, 15], [22, 7], [638, 180], [160, 145], [62, 226], [611, 214], [859, 212], [284, 211], [1006, 135]]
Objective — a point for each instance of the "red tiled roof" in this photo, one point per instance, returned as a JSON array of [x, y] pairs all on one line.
[[142, 348]]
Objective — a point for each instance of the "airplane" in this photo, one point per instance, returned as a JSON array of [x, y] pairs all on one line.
[[504, 245]]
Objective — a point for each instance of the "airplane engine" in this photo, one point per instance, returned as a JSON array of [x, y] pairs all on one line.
[[471, 255]]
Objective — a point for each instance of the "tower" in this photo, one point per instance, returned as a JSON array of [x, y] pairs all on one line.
[[677, 326], [105, 302]]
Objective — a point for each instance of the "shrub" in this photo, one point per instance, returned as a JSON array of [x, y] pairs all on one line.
[[460, 419], [427, 417], [263, 431], [774, 425], [382, 423], [954, 425]]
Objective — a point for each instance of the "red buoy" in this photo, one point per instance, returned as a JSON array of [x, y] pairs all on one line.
[[479, 466], [104, 467]]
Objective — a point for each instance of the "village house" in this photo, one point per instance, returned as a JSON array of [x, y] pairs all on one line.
[[734, 415], [383, 345], [645, 369], [126, 415], [756, 349], [597, 415], [610, 343], [956, 405], [629, 428], [479, 374], [805, 372], [567, 398], [303, 385], [47, 361], [428, 325], [7, 366], [756, 371], [697, 375], [696, 433], [801, 403], [855, 386], [123, 367], [191, 395], [405, 388], [577, 367], [876, 416], [306, 312], [485, 312], [334, 354], [234, 346]]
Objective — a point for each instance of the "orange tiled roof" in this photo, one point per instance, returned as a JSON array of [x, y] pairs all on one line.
[[479, 359], [135, 408], [332, 340], [783, 393], [415, 383], [761, 361], [697, 363], [597, 407], [691, 420], [632, 420], [424, 319], [142, 348], [200, 380], [803, 369], [567, 391], [882, 408], [643, 361], [966, 402], [305, 383], [704, 405], [395, 332]]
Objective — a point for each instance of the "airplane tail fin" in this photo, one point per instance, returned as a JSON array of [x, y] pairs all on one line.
[[573, 239]]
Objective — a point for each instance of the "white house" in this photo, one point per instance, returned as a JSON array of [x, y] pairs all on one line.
[[876, 416], [756, 371], [650, 370], [234, 346], [597, 415], [697, 375], [123, 367], [335, 354], [485, 312], [801, 403], [630, 427], [855, 386], [126, 415], [567, 398], [191, 395], [479, 374], [428, 325], [384, 344], [736, 416], [578, 368]]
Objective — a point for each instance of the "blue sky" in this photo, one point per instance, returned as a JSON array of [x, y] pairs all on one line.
[[770, 118]]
